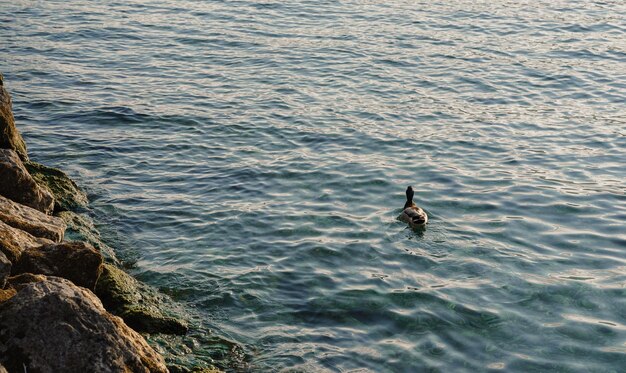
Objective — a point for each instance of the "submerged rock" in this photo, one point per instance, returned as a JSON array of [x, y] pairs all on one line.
[[182, 369], [14, 241], [66, 193], [55, 326], [81, 228], [32, 221], [19, 186], [138, 305], [5, 269], [10, 137], [78, 262]]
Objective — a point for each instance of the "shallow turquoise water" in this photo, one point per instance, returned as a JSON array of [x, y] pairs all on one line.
[[251, 157]]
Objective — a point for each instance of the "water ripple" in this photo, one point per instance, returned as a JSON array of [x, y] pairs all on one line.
[[249, 159]]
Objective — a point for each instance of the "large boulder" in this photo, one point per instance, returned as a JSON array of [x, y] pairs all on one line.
[[139, 305], [67, 195], [32, 221], [10, 137], [78, 262], [19, 186], [5, 269], [14, 241], [55, 326]]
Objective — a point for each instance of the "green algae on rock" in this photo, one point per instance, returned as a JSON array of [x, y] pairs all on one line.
[[221, 354], [81, 228], [67, 194], [10, 137], [139, 305], [183, 369]]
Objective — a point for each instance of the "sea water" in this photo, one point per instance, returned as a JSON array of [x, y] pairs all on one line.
[[249, 158]]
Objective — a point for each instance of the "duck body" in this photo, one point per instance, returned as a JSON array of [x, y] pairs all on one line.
[[412, 214]]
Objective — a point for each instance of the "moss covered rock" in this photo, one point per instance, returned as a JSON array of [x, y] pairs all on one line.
[[183, 369], [67, 194], [81, 228], [136, 303]]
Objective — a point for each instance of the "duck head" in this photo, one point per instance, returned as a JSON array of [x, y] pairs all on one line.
[[409, 197], [409, 193]]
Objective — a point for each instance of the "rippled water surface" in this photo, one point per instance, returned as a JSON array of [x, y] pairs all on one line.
[[251, 158]]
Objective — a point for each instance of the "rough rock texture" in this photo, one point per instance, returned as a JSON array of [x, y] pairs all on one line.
[[19, 186], [55, 326], [19, 281], [81, 228], [10, 138], [67, 195], [14, 241], [6, 294], [32, 221], [78, 262], [5, 269], [121, 294]]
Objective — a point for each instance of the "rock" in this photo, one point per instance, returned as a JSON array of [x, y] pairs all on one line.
[[78, 262], [10, 137], [19, 186], [6, 294], [19, 281], [174, 368], [5, 269], [151, 320], [81, 228], [55, 326], [138, 305], [32, 221], [67, 195], [14, 241]]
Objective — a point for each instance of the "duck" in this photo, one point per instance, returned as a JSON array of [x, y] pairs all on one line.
[[415, 216]]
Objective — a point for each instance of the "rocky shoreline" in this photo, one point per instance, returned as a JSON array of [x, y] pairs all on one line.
[[66, 305]]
